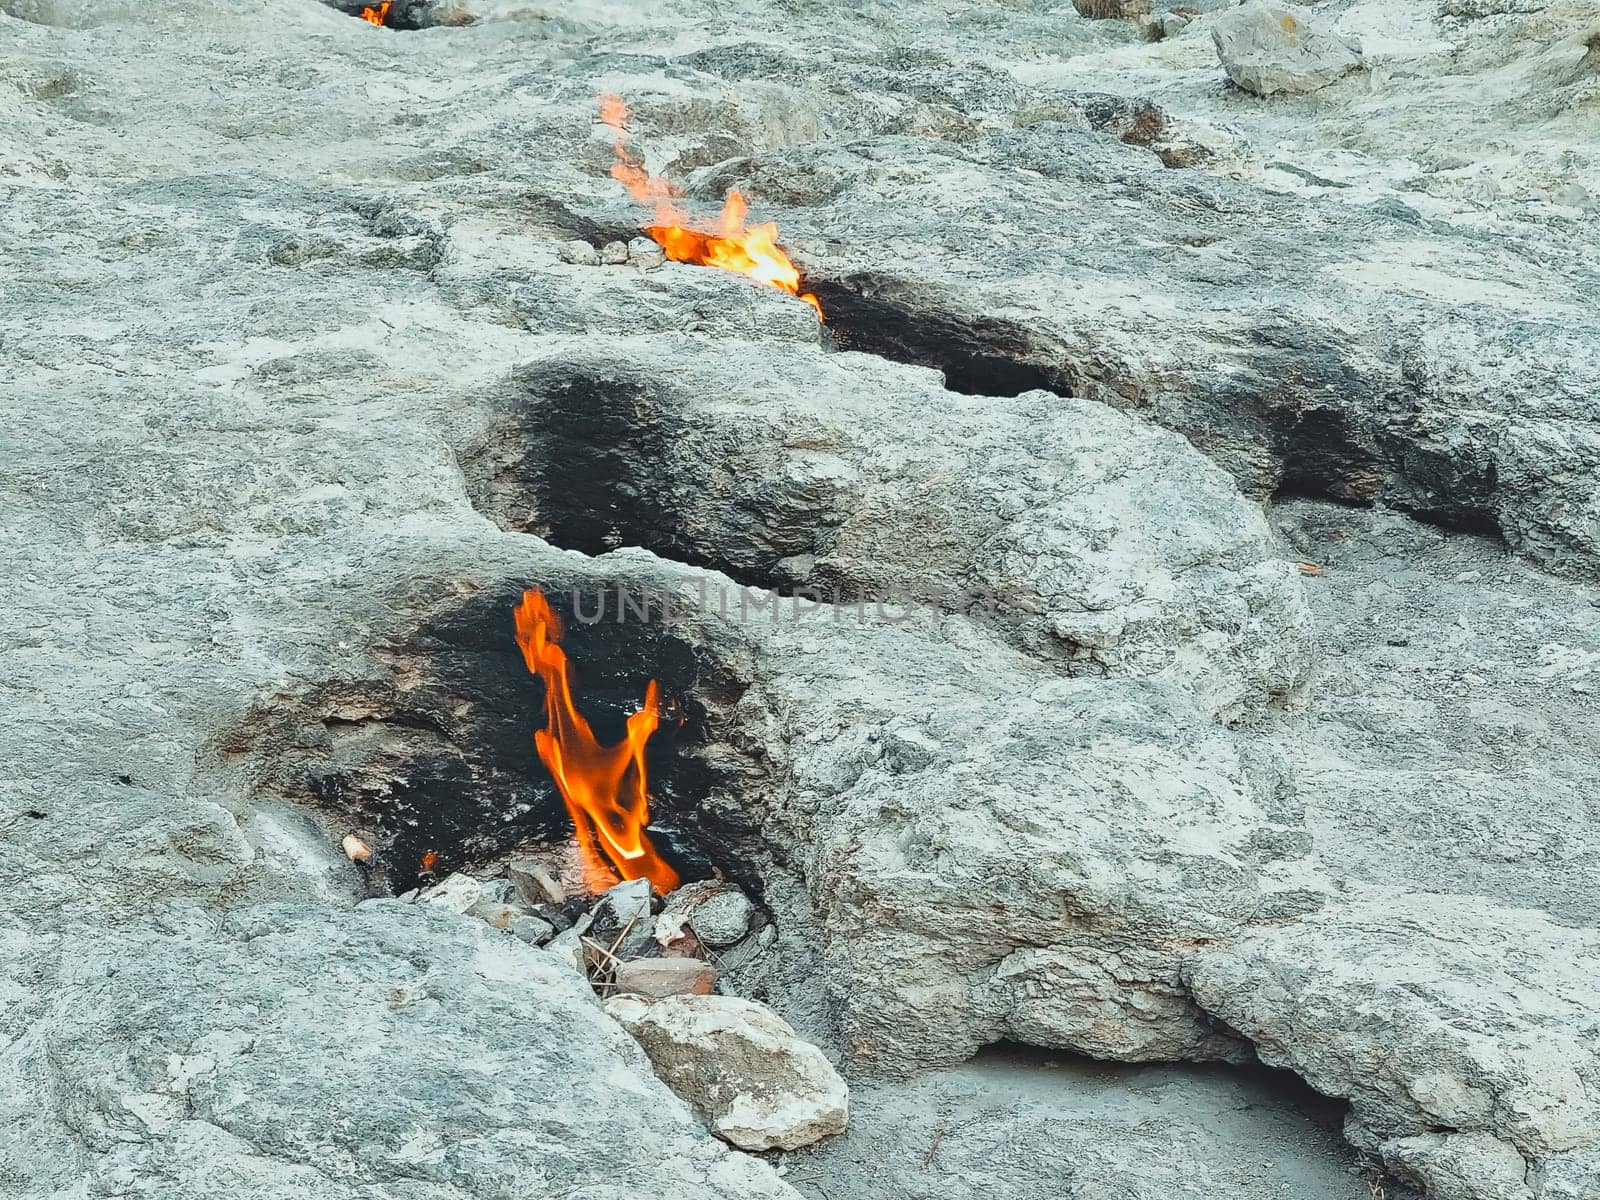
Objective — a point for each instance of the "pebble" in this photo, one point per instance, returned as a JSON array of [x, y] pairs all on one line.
[[722, 919], [534, 930], [568, 946], [614, 254], [579, 253], [643, 252], [497, 913], [626, 902], [534, 883], [457, 893]]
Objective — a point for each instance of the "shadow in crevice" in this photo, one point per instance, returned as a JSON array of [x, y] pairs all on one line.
[[589, 457], [983, 356]]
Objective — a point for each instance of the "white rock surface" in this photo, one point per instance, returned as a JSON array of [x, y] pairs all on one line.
[[1267, 48], [273, 278], [458, 893], [740, 1066], [1463, 1035]]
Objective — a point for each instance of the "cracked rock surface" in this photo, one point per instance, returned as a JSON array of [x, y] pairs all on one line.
[[303, 374]]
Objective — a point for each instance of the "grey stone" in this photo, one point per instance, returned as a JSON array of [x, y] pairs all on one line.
[[534, 882], [741, 1067], [1033, 1125], [498, 913], [657, 977], [261, 1069], [567, 946], [625, 904], [458, 893], [579, 253], [1127, 554], [722, 918], [645, 252], [1101, 9], [1267, 48], [229, 530], [614, 253], [1365, 1002], [536, 931]]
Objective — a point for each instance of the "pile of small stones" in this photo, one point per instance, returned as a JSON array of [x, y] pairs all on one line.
[[626, 940], [641, 252]]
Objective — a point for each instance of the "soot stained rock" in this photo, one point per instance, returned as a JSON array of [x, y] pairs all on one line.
[[438, 759], [1095, 542]]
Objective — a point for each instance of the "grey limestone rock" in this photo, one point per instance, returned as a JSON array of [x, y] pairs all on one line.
[[1267, 48], [758, 1084]]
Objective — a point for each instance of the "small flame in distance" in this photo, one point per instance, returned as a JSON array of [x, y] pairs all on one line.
[[377, 15], [603, 786], [751, 250]]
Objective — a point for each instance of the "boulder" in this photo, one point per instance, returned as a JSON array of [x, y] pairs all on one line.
[[1462, 1034], [1267, 48], [1090, 539], [741, 1067], [395, 1040]]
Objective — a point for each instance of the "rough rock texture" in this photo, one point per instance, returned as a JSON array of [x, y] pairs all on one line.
[[273, 278], [330, 1054], [1095, 541], [1269, 48], [1465, 1037], [1032, 1126], [927, 813], [741, 1066], [1487, 672]]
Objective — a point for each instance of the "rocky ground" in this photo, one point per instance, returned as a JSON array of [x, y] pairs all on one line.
[[1262, 426]]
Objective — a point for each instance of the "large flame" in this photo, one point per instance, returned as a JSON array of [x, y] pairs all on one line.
[[377, 15], [751, 250], [603, 786]]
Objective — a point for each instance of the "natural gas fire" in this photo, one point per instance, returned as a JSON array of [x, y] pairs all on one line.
[[603, 786], [751, 250], [377, 15], [355, 849]]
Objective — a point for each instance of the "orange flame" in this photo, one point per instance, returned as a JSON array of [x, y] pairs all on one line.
[[603, 786], [377, 15], [733, 245]]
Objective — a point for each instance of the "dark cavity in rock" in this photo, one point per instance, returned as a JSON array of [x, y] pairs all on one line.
[[587, 456], [979, 356], [440, 758], [406, 14]]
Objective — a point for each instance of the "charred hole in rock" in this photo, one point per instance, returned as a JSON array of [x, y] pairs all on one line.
[[435, 767], [1340, 436], [1448, 489], [1319, 458], [586, 457], [549, 211], [406, 15], [978, 356], [591, 439], [1296, 394]]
